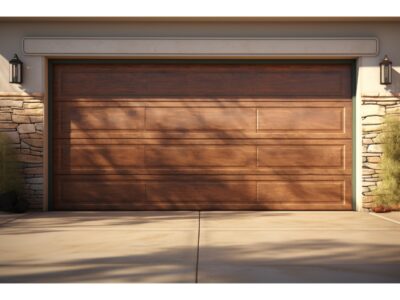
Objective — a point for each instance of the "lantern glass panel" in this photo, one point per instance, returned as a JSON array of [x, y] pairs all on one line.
[[15, 70]]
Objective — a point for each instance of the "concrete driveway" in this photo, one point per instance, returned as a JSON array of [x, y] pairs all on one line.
[[217, 247]]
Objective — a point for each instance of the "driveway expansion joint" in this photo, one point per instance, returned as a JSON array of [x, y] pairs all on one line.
[[384, 218]]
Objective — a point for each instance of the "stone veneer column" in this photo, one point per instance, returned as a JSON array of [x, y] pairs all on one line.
[[21, 119], [373, 110]]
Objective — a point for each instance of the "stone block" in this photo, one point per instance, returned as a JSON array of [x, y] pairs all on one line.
[[367, 171], [368, 128], [33, 171], [36, 119], [371, 179], [37, 149], [367, 141], [5, 116], [11, 103], [20, 119], [371, 154], [370, 135], [39, 126], [13, 136], [36, 135], [372, 166], [24, 151], [26, 128], [34, 142], [374, 159], [385, 102], [26, 158], [32, 100], [24, 145], [29, 112], [34, 180], [372, 188], [373, 120], [377, 148], [393, 109], [370, 193], [37, 153], [33, 105], [7, 125], [36, 186], [372, 110]]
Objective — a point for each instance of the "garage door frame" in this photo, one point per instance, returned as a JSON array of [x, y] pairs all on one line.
[[52, 62]]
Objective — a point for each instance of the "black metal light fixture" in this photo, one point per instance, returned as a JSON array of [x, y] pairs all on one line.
[[15, 70], [386, 70]]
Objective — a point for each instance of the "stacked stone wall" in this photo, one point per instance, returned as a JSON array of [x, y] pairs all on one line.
[[21, 119], [373, 111]]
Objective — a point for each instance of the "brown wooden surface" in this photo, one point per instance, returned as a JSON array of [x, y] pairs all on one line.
[[202, 137]]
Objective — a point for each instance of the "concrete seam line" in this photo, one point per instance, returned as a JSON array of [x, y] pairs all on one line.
[[198, 250], [385, 218]]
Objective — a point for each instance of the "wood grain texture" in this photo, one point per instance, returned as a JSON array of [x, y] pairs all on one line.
[[202, 137], [202, 80], [201, 119]]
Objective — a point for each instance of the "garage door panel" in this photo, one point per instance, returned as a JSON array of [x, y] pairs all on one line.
[[305, 156], [190, 135], [202, 192], [70, 118], [71, 190], [201, 119], [200, 156], [153, 195], [317, 119], [212, 171], [202, 80], [300, 119], [302, 191], [106, 158], [94, 158]]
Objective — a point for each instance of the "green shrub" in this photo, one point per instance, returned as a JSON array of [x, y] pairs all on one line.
[[10, 175], [388, 191]]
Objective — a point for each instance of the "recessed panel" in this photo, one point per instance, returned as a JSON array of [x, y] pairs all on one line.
[[75, 191], [200, 156], [300, 119], [202, 80], [208, 192], [73, 118], [301, 156], [95, 158], [201, 119], [303, 192]]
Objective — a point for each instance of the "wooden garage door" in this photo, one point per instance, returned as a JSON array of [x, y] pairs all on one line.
[[201, 136]]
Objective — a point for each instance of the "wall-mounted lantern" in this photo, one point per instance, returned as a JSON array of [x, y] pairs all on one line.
[[15, 70], [386, 71]]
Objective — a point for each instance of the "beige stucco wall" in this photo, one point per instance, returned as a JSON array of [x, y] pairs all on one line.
[[12, 33]]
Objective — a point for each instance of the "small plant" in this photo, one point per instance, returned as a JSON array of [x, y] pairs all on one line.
[[387, 193], [10, 179]]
